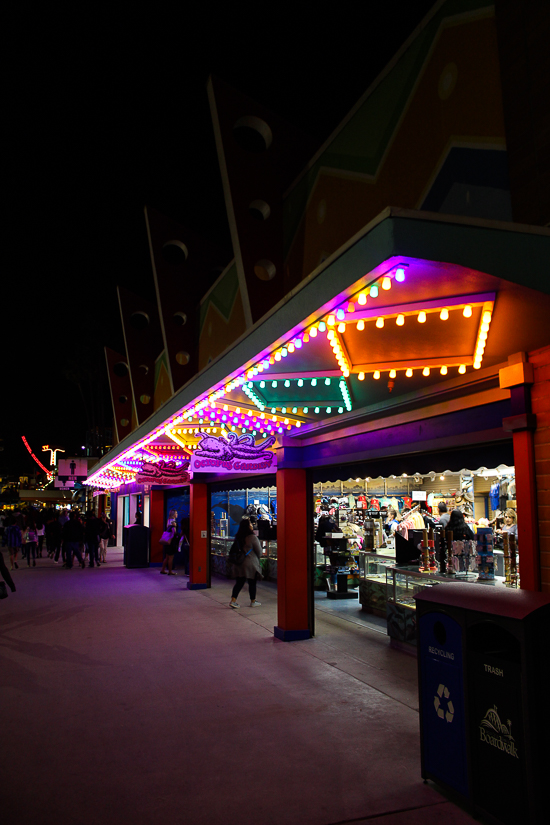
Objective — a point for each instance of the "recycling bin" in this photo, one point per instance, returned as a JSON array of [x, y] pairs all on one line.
[[484, 672], [135, 539]]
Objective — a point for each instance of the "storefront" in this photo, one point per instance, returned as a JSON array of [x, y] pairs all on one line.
[[406, 355], [231, 500]]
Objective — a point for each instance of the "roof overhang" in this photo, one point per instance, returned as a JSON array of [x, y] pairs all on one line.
[[497, 270]]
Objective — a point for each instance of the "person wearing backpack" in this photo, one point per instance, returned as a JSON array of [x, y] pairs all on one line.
[[249, 570]]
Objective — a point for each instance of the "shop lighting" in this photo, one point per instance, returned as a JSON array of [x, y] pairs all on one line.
[[331, 320], [329, 410], [374, 291], [360, 325], [284, 352], [443, 370], [298, 343], [400, 274], [386, 283], [316, 410], [341, 327], [274, 384], [422, 317], [313, 382], [467, 311], [291, 347], [400, 320], [444, 314], [305, 410], [331, 334], [361, 376], [380, 323], [327, 382], [362, 299], [462, 369], [376, 375], [300, 382], [393, 373], [278, 356], [287, 383], [351, 307], [409, 373], [426, 371], [313, 332], [340, 314]]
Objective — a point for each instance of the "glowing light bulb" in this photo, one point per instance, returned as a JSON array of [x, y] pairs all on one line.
[[351, 307], [486, 317], [443, 370], [327, 382], [422, 317], [340, 314], [305, 410], [426, 371], [360, 325], [462, 369], [331, 320], [300, 382], [400, 320], [409, 373], [477, 364], [380, 323], [316, 410], [444, 314], [400, 274], [467, 311], [287, 383], [485, 328], [313, 382], [386, 283], [362, 299], [291, 347], [306, 338], [278, 356], [273, 384], [322, 326], [361, 376], [341, 327], [374, 291], [313, 332], [393, 373], [331, 334], [284, 352], [376, 375]]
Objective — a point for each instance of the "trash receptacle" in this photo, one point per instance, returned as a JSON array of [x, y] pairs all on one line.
[[135, 539], [504, 659]]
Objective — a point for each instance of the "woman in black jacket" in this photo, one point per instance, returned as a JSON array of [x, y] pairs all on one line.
[[458, 526]]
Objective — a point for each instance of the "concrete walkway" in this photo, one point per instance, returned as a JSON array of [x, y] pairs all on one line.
[[127, 698]]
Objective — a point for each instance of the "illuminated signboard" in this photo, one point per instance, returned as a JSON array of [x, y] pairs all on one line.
[[233, 454], [163, 472]]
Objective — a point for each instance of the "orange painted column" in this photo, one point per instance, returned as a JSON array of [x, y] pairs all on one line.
[[293, 540], [518, 377], [156, 524], [199, 567], [526, 502]]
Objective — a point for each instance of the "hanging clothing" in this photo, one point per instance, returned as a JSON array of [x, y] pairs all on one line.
[[494, 496]]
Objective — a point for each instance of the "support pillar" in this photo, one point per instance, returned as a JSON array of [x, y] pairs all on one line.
[[518, 376], [156, 525], [199, 571], [293, 525]]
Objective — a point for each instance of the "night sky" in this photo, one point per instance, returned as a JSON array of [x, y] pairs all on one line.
[[106, 115]]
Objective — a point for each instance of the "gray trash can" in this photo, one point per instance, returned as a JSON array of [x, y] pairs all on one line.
[[492, 646]]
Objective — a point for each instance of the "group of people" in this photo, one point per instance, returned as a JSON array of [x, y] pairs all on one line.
[[66, 534]]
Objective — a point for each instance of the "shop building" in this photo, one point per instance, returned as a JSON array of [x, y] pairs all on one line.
[[347, 342]]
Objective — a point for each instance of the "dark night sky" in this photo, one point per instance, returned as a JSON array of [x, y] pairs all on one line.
[[103, 119]]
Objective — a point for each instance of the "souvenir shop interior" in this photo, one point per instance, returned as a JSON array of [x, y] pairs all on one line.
[[379, 541]]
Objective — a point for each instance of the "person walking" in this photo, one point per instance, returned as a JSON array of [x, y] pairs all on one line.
[[5, 573], [250, 570], [72, 536], [40, 532], [170, 549], [31, 542], [91, 532], [105, 533], [184, 543], [13, 540]]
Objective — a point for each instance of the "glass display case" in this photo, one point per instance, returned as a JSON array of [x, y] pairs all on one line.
[[403, 583], [373, 586]]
